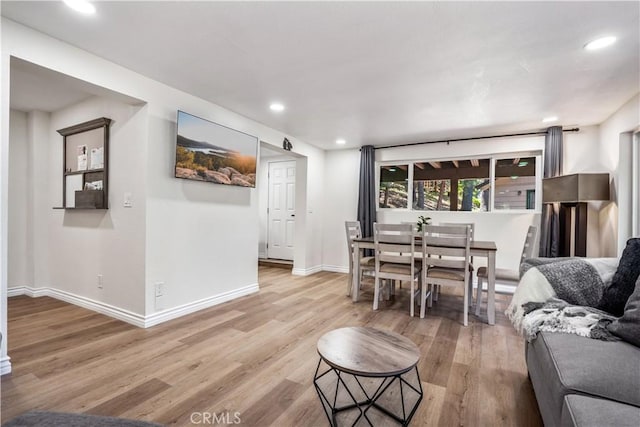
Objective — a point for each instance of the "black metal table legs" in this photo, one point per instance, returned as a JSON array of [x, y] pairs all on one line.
[[341, 392]]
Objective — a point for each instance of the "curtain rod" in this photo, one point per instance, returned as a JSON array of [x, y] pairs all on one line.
[[473, 138]]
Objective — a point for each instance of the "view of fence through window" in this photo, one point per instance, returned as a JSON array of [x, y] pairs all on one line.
[[460, 185]]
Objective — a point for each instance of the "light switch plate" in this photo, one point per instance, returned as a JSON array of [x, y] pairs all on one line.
[[128, 200]]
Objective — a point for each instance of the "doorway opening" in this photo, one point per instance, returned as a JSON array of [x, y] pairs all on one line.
[[282, 207]]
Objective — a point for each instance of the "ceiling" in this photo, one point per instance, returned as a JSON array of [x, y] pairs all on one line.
[[37, 88], [371, 72]]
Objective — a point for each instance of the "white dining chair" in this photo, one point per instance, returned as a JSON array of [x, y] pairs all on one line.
[[505, 275], [367, 264], [472, 229], [446, 258], [395, 259]]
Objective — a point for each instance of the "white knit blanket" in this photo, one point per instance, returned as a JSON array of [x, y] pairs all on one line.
[[558, 297]]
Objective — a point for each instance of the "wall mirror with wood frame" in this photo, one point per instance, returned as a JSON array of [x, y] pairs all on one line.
[[85, 174]]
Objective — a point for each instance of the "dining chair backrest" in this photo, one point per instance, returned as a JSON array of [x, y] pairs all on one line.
[[414, 225], [527, 250], [471, 225], [394, 243], [446, 246], [353, 232]]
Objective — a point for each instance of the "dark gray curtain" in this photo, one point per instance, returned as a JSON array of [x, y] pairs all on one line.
[[367, 190], [550, 222]]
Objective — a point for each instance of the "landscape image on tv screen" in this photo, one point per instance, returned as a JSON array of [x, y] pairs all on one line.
[[207, 151]]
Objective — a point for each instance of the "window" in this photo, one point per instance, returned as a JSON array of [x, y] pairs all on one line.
[[531, 199], [462, 184], [452, 185], [431, 195], [394, 186], [515, 183]]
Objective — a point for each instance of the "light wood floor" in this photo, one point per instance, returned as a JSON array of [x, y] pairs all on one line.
[[256, 356]]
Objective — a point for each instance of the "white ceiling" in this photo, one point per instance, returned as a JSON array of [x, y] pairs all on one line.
[[371, 72], [37, 88]]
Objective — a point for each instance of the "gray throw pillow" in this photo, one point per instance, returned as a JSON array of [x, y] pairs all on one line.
[[616, 295], [628, 326]]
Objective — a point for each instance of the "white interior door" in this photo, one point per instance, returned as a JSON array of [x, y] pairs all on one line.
[[282, 209]]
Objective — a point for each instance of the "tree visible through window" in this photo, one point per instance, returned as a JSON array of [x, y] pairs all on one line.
[[432, 195], [394, 186], [460, 185], [456, 185]]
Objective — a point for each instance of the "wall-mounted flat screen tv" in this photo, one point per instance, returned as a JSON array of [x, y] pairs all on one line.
[[207, 151]]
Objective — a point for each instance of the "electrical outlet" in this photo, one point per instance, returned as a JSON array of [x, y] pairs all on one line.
[[100, 281], [159, 289]]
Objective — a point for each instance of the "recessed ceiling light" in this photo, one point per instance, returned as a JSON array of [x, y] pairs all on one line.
[[550, 119], [600, 43], [340, 141], [276, 107], [82, 6]]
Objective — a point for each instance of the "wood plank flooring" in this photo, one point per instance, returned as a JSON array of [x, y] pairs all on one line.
[[256, 356]]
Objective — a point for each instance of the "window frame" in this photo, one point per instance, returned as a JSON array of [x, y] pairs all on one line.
[[493, 158], [409, 165]]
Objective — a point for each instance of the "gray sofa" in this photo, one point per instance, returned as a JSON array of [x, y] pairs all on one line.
[[581, 381], [585, 382]]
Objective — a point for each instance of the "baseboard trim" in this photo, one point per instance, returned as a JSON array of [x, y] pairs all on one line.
[[335, 268], [28, 291], [81, 301], [306, 271], [5, 365], [128, 316], [192, 307]]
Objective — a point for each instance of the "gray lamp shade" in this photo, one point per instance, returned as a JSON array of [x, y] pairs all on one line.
[[580, 187]]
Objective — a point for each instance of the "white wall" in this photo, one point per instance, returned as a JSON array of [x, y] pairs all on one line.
[[40, 205], [20, 272], [315, 206], [67, 250], [84, 244], [342, 174], [580, 151], [5, 364], [626, 119], [200, 239], [581, 156]]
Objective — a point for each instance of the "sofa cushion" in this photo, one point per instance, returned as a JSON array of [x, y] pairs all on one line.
[[628, 326], [616, 295], [566, 363], [585, 411]]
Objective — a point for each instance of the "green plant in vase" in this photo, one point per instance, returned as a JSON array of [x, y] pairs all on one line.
[[423, 221]]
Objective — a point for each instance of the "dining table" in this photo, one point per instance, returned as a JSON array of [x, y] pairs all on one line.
[[478, 248]]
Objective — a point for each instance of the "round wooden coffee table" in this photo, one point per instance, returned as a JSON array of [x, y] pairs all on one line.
[[369, 373]]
